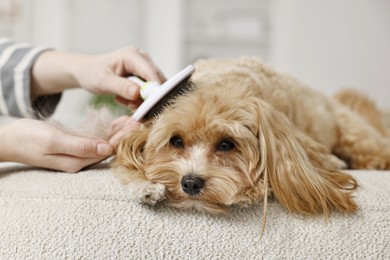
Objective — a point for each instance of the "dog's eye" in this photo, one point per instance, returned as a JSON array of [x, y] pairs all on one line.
[[225, 146], [176, 141]]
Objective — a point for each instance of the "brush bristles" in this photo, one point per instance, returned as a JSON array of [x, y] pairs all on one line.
[[183, 88]]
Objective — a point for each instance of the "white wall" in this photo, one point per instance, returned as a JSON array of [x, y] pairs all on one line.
[[335, 43], [48, 22], [163, 33]]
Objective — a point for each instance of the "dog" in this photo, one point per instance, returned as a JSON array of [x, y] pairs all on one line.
[[246, 132]]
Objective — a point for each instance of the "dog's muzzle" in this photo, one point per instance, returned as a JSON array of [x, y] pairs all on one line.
[[192, 185]]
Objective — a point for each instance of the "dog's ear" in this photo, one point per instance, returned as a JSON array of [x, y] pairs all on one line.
[[299, 170], [128, 164]]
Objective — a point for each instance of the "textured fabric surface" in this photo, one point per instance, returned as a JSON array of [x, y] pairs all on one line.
[[51, 215]]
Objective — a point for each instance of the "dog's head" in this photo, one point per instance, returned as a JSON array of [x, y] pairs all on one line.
[[222, 145], [205, 153]]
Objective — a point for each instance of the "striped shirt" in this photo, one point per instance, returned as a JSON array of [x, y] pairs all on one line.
[[16, 61]]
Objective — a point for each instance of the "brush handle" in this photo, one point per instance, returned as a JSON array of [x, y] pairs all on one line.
[[147, 88], [161, 96]]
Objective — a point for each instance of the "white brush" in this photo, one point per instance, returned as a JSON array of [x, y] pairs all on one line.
[[158, 96]]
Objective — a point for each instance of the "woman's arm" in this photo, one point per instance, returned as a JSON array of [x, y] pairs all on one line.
[[56, 71], [16, 60], [41, 76], [38, 143]]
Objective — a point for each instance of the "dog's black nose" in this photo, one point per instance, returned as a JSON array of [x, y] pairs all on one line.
[[192, 185]]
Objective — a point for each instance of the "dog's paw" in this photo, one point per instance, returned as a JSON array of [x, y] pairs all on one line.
[[331, 161], [371, 162], [337, 163], [150, 193]]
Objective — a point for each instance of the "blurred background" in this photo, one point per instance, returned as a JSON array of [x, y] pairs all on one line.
[[327, 44]]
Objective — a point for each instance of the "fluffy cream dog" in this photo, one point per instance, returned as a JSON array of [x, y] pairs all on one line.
[[247, 131]]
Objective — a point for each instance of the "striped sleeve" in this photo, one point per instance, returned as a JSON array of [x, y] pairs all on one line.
[[16, 61]]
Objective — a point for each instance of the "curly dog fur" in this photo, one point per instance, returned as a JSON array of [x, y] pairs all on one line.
[[247, 131]]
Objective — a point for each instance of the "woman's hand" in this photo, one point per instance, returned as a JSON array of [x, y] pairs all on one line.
[[106, 74], [39, 143], [120, 127], [55, 71]]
